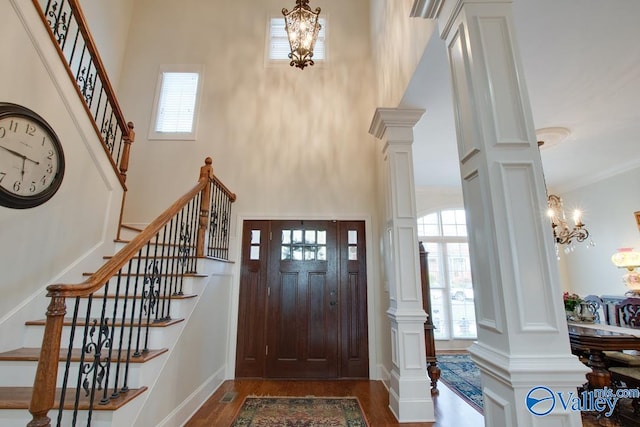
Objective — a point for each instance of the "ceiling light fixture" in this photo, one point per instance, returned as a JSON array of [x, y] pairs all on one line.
[[302, 27], [562, 233]]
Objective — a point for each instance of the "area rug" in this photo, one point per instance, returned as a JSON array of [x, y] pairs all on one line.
[[300, 412], [462, 376]]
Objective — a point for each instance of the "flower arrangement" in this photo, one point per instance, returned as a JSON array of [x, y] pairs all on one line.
[[571, 301]]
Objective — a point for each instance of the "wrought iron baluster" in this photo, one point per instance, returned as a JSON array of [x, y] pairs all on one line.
[[193, 232], [123, 320], [174, 236], [183, 249], [142, 302], [67, 364], [114, 317], [161, 314]]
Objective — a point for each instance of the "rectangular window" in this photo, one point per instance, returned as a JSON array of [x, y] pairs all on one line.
[[278, 49], [176, 102]]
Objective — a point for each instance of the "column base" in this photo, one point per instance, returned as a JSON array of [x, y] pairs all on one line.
[[410, 400], [529, 390]]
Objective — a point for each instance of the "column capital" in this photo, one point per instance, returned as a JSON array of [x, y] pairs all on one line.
[[385, 118]]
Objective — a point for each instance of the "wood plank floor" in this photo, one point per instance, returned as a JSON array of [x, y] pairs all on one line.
[[451, 410]]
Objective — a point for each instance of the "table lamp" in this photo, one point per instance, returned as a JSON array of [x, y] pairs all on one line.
[[629, 259]]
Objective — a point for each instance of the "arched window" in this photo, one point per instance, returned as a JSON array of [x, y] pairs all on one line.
[[444, 235]]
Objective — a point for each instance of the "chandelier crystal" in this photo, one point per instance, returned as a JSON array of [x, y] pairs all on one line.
[[564, 234], [302, 27]]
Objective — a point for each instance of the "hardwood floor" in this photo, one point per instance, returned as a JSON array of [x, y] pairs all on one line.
[[451, 410]]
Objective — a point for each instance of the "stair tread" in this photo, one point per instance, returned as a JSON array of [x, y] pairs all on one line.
[[33, 354], [131, 227], [68, 321], [20, 397]]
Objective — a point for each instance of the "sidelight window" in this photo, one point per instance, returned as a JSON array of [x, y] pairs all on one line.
[[444, 235], [254, 251], [304, 245]]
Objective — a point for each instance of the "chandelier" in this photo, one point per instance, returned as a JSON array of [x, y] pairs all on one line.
[[302, 27], [562, 232]]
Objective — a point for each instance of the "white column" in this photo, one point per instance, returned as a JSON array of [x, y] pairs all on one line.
[[522, 331], [409, 395]]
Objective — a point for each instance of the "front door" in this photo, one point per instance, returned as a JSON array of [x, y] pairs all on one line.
[[302, 325], [303, 305]]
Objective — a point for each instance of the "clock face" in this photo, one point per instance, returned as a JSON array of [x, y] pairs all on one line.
[[31, 158]]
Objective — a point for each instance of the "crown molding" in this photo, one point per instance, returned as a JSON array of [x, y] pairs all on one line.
[[428, 9]]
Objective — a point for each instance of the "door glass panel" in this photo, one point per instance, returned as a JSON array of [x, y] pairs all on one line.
[[310, 236], [310, 253], [255, 237], [304, 245], [255, 252], [353, 237], [353, 253], [286, 253]]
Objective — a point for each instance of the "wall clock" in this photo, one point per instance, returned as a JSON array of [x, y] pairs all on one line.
[[31, 158]]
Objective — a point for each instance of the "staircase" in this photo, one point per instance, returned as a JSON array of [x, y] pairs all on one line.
[[148, 359]]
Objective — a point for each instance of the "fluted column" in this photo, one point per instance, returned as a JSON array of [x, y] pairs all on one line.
[[522, 332], [409, 395]]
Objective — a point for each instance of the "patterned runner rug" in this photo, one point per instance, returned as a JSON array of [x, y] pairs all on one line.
[[462, 376], [300, 412]]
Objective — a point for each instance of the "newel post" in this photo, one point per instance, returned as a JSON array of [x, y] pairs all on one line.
[[124, 160], [44, 386], [206, 173]]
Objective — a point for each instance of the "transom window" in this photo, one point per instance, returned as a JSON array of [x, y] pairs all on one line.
[[444, 235], [279, 49]]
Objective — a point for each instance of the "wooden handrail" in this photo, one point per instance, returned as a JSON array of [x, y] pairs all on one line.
[[126, 128], [111, 267]]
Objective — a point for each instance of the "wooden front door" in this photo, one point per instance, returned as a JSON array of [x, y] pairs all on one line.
[[303, 308], [302, 325]]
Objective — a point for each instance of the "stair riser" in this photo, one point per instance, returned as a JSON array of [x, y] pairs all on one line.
[[163, 264], [22, 374], [175, 307], [188, 284], [33, 337], [170, 249]]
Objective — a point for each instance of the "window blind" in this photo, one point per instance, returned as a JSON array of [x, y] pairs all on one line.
[[176, 106]]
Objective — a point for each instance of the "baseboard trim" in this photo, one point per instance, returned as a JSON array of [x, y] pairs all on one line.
[[183, 412]]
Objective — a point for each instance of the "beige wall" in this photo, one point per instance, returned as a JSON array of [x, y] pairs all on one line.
[[289, 143], [398, 45], [69, 234], [608, 208], [109, 25]]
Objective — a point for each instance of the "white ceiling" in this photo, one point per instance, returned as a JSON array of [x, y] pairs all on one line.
[[581, 64]]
